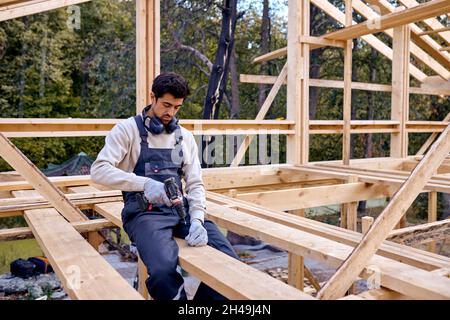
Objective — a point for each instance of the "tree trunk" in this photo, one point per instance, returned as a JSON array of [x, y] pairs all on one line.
[[265, 47], [235, 103], [22, 74], [44, 48], [218, 78]]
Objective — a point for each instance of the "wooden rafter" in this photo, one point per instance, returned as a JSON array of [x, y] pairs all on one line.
[[15, 9], [425, 10]]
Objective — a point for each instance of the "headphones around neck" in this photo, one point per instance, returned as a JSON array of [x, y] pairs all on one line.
[[155, 125]]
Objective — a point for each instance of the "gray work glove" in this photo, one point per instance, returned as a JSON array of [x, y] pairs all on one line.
[[197, 236], [155, 193]]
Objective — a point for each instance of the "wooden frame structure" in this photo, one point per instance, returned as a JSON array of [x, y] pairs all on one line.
[[268, 201]]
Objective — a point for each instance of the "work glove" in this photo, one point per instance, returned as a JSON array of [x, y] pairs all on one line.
[[197, 236], [155, 193]]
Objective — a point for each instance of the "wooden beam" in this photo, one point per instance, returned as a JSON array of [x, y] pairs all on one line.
[[317, 42], [425, 10], [373, 41], [302, 198], [347, 99], [434, 31], [426, 43], [147, 49], [271, 55], [27, 169], [412, 256], [390, 216], [83, 273], [297, 146], [25, 8], [394, 275], [339, 84], [400, 90], [433, 23], [81, 226]]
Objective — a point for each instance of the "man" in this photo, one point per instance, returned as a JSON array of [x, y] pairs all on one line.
[[139, 154]]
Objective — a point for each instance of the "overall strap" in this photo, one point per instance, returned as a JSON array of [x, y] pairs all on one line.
[[142, 131]]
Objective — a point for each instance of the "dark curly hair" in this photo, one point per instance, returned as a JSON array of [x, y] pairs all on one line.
[[170, 82]]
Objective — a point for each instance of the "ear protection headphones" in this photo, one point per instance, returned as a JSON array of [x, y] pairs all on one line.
[[155, 125]]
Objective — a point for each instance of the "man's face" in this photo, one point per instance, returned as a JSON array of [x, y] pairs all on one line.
[[166, 107]]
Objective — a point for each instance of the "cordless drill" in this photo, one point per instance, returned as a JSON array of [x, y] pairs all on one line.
[[173, 193]]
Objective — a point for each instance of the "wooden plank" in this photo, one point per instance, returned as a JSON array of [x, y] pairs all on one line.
[[271, 55], [400, 91], [83, 273], [224, 274], [394, 275], [412, 256], [425, 10], [302, 198], [12, 11], [434, 31], [260, 116], [317, 42], [390, 216], [81, 226], [27, 169]]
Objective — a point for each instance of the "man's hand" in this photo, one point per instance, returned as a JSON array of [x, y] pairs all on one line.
[[155, 193], [197, 236]]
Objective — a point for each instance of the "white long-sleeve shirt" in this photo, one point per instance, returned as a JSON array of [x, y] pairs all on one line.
[[115, 163]]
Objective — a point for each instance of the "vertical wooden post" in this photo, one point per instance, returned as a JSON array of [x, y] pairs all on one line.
[[296, 272], [400, 95], [347, 107], [366, 222], [349, 211], [400, 90], [147, 49], [432, 215], [352, 209], [297, 147]]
